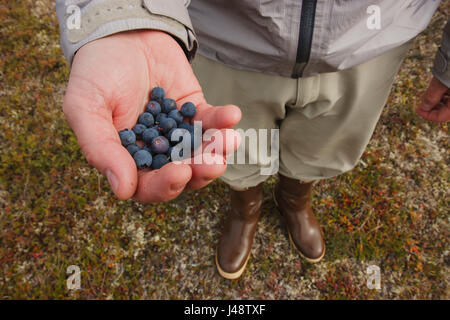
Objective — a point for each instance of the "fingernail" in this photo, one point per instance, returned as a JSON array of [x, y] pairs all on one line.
[[112, 179], [177, 187], [208, 180], [425, 106]]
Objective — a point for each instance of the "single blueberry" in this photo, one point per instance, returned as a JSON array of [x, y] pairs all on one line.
[[176, 115], [160, 117], [133, 148], [146, 119], [168, 105], [159, 161], [186, 125], [154, 108], [196, 138], [127, 137], [172, 152], [188, 110], [149, 134], [148, 149], [176, 135], [160, 145], [143, 159], [157, 94], [138, 130], [167, 124]]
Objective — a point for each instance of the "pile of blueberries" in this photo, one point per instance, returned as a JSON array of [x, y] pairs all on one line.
[[164, 132]]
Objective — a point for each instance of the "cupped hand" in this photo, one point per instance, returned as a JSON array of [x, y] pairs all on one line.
[[109, 86], [435, 104]]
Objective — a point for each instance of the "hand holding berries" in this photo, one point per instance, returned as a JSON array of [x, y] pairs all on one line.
[[157, 140], [106, 93]]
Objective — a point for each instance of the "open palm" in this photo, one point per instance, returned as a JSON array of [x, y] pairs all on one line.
[[109, 86]]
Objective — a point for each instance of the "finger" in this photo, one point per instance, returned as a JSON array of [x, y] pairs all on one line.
[[203, 173], [223, 142], [441, 114], [433, 95], [100, 142], [213, 117], [218, 117], [163, 184]]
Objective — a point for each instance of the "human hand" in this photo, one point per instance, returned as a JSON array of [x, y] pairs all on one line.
[[109, 86], [435, 104]]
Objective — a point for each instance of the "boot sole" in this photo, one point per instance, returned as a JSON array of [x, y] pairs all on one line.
[[231, 275], [310, 260]]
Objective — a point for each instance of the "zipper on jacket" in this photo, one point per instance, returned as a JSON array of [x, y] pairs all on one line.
[[307, 17]]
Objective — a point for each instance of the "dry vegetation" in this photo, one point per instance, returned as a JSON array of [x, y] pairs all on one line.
[[56, 211]]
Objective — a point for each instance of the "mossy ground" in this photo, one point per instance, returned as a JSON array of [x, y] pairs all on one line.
[[56, 211]]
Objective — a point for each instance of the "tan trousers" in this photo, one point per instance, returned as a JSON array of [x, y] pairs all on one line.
[[325, 122]]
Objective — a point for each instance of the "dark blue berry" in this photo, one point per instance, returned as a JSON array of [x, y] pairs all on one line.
[[196, 138], [146, 119], [160, 117], [176, 135], [188, 110], [159, 161], [168, 105], [166, 125], [176, 115], [186, 125], [143, 159], [160, 145], [172, 152], [148, 149], [138, 130], [149, 134], [127, 137], [133, 148], [154, 108], [157, 94]]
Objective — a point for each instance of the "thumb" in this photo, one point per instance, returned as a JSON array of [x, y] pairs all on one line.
[[433, 95], [100, 143]]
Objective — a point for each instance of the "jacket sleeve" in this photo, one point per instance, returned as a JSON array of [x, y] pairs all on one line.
[[441, 68], [82, 21]]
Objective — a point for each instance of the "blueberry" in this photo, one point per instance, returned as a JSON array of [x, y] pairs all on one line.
[[149, 134], [168, 105], [148, 149], [143, 159], [196, 138], [146, 119], [158, 94], [176, 135], [188, 110], [159, 161], [160, 145], [167, 124], [133, 148], [138, 130], [154, 108], [186, 125], [127, 137], [160, 117], [177, 148], [176, 115]]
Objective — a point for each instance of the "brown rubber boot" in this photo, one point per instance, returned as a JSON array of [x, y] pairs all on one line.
[[293, 199], [236, 240]]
